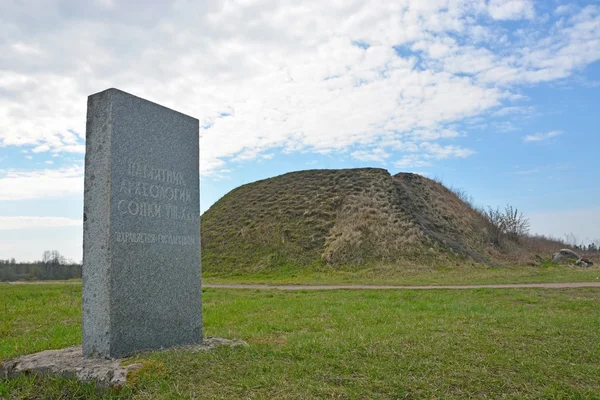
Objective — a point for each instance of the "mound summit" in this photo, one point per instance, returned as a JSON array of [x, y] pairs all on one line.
[[340, 217]]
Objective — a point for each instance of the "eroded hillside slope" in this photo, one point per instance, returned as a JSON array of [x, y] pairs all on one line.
[[442, 215], [337, 217]]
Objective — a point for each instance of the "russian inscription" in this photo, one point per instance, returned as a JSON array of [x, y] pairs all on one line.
[[151, 238], [141, 195], [158, 174]]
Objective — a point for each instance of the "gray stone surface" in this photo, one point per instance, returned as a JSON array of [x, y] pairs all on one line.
[[584, 262], [69, 363], [141, 240], [564, 255]]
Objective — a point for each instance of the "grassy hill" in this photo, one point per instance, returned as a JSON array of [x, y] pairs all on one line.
[[344, 217]]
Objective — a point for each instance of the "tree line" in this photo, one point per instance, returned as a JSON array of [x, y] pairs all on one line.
[[590, 248], [52, 266]]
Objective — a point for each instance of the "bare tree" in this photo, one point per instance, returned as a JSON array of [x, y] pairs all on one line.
[[53, 257], [510, 224], [494, 217], [571, 239], [463, 196], [516, 225]]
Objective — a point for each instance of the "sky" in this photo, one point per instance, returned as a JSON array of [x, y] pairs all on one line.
[[499, 98]]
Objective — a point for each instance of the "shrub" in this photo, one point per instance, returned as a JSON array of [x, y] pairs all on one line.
[[508, 224]]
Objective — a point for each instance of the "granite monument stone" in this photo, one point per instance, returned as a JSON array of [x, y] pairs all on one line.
[[141, 239]]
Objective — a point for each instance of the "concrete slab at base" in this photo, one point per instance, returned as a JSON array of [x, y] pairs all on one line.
[[70, 363]]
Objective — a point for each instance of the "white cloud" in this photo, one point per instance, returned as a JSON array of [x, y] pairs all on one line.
[[436, 151], [429, 135], [427, 152], [41, 149], [565, 9], [73, 148], [251, 154], [514, 111], [11, 223], [375, 155], [411, 161], [273, 75], [505, 126], [20, 185], [26, 49], [538, 137], [511, 9], [399, 145]]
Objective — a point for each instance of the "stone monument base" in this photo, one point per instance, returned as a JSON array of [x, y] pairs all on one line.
[[70, 363]]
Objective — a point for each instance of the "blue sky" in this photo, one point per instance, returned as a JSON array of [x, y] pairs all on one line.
[[499, 98]]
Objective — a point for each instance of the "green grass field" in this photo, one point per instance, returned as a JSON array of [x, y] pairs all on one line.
[[510, 343], [462, 274]]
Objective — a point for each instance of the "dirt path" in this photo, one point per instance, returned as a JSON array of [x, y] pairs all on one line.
[[378, 287], [558, 285]]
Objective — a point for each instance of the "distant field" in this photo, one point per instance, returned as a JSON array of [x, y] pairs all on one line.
[[510, 343], [393, 275]]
